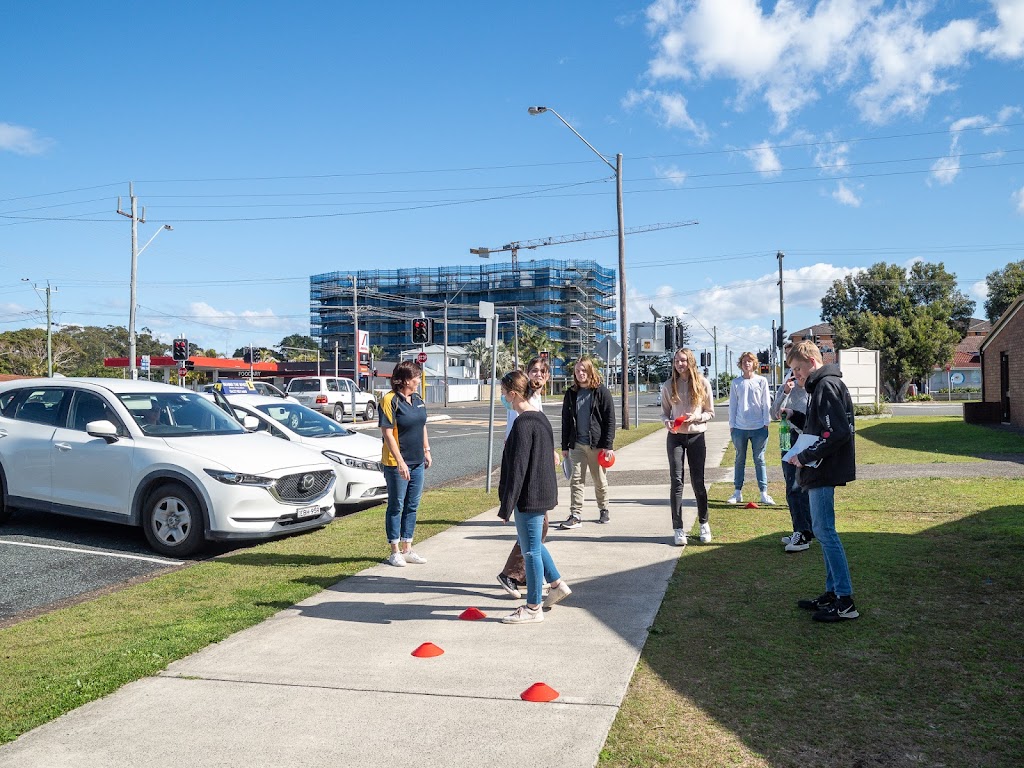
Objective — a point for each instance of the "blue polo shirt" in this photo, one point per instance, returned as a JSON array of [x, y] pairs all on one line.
[[408, 417]]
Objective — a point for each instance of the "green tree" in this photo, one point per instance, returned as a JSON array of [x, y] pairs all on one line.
[[377, 352], [298, 342], [914, 319], [23, 352], [480, 351], [1004, 285], [533, 341]]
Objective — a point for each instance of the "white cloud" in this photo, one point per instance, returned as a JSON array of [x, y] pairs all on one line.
[[247, 319], [22, 141], [978, 291], [672, 174], [670, 109], [945, 169], [833, 156], [893, 56], [1018, 200], [846, 196], [764, 159]]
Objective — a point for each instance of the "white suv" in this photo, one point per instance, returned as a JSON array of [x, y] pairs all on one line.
[[156, 456], [333, 396]]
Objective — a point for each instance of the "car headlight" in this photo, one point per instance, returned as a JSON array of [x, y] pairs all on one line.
[[352, 461], [238, 478]]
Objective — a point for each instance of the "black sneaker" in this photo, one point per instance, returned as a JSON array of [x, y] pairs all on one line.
[[509, 585], [842, 608], [572, 521], [604, 516], [820, 603]]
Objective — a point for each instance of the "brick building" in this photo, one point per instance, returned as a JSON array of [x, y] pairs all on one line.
[[1002, 367]]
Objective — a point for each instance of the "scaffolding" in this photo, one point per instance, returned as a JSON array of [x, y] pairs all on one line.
[[571, 301]]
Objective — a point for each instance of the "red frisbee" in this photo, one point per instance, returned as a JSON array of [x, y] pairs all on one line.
[[605, 459]]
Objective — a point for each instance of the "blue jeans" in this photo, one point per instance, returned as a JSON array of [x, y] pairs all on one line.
[[539, 565], [758, 439], [796, 498], [823, 523], [403, 501]]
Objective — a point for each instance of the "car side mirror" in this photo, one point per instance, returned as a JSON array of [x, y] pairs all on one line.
[[250, 423], [102, 429]]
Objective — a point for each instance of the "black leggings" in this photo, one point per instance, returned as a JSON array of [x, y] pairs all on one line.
[[696, 452]]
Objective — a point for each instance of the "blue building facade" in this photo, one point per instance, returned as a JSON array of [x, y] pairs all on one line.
[[571, 301]]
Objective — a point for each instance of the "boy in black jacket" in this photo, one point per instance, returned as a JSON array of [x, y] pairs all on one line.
[[828, 462]]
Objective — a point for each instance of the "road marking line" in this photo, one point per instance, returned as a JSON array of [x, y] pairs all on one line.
[[93, 552]]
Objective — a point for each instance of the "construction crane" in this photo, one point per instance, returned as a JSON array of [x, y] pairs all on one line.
[[513, 247]]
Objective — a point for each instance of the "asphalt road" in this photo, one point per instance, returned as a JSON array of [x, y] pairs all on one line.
[[49, 560]]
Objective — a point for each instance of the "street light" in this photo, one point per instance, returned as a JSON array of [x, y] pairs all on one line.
[[132, 373], [617, 168]]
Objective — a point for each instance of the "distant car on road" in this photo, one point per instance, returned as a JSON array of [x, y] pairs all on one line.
[[246, 386], [333, 396], [156, 456], [356, 456]]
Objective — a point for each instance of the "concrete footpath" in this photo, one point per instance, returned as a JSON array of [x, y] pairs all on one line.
[[332, 682]]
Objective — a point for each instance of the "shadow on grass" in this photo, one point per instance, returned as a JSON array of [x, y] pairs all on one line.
[[948, 436], [931, 674]]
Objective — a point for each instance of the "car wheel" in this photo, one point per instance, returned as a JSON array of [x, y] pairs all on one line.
[[293, 421], [339, 412], [5, 510], [368, 414], [173, 520]]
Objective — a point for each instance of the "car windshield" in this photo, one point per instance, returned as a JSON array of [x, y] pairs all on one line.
[[304, 385], [303, 421], [174, 414]]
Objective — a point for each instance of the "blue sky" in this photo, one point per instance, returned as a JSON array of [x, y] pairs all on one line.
[[284, 140]]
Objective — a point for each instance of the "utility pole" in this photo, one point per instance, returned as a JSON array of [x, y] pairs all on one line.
[[49, 326], [355, 339], [515, 335], [445, 366], [714, 335], [782, 304], [133, 215]]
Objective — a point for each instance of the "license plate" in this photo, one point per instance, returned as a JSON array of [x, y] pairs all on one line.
[[307, 512]]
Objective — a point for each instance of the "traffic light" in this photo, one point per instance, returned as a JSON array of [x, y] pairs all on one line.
[[705, 359], [544, 355], [764, 367], [188, 365], [181, 349], [762, 357], [780, 338], [420, 331], [705, 370]]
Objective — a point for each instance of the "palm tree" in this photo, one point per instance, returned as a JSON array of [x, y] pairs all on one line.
[[533, 341], [480, 351]]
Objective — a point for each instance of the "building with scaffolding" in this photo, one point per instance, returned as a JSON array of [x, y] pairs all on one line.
[[571, 301]]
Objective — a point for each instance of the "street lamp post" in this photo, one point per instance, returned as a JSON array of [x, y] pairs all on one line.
[[133, 215], [622, 255]]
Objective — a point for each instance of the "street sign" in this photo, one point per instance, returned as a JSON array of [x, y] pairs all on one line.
[[364, 341], [144, 363], [182, 372], [421, 358], [486, 309], [608, 348]]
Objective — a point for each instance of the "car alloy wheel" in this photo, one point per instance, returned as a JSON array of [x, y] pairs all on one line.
[[173, 520], [339, 413], [369, 412]]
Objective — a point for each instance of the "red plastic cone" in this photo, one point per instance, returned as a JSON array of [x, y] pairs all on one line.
[[539, 692], [472, 614], [751, 505], [427, 650]]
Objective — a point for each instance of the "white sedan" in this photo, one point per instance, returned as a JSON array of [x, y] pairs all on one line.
[[356, 456], [155, 456]]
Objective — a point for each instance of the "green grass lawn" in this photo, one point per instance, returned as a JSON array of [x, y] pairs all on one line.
[[932, 674], [913, 440]]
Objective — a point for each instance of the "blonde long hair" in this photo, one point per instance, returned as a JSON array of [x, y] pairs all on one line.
[[592, 375], [698, 395]]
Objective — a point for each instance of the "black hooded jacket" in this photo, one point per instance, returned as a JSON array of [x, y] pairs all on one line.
[[830, 417]]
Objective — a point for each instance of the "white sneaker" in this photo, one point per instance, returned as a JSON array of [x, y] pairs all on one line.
[[396, 559], [412, 557], [524, 615], [679, 537], [787, 539], [705, 533], [766, 499], [736, 498], [557, 594]]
